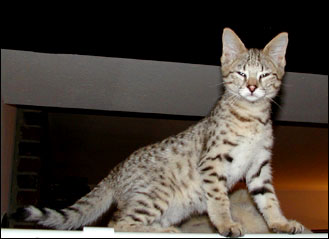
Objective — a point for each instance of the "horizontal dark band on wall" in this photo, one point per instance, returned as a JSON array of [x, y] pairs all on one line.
[[155, 115], [320, 231]]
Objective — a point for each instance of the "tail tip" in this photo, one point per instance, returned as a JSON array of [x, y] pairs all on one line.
[[21, 214], [29, 213]]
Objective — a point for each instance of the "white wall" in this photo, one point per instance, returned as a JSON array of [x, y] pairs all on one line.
[[104, 83]]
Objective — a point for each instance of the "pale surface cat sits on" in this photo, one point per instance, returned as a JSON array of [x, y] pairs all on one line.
[[161, 184], [243, 211]]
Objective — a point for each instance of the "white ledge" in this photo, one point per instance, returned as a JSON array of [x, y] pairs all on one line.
[[103, 232]]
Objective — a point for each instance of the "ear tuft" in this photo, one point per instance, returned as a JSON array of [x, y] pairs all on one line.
[[232, 46]]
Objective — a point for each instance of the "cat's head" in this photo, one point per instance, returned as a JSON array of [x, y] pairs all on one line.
[[251, 73]]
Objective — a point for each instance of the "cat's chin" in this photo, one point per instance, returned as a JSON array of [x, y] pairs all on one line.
[[253, 98]]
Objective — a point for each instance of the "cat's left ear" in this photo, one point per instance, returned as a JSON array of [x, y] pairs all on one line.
[[276, 49]]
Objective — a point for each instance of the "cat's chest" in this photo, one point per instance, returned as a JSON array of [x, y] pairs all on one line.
[[243, 155]]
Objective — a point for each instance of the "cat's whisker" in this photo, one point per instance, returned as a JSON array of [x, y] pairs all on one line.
[[274, 102], [219, 84], [233, 99]]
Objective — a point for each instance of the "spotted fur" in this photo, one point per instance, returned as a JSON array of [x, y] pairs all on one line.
[[159, 185]]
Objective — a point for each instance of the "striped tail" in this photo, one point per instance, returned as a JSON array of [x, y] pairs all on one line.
[[83, 212]]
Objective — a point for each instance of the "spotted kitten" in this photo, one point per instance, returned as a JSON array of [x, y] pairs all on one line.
[[159, 185]]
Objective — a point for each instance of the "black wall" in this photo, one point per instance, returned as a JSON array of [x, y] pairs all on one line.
[[163, 37]]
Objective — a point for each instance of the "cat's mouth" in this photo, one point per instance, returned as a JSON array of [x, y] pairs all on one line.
[[252, 96]]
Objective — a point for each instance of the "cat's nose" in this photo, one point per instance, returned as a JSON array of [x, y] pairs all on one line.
[[252, 88]]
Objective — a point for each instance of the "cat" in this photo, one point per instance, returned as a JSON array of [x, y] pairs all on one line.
[[161, 184]]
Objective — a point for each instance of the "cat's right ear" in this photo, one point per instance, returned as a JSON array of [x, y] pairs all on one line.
[[276, 49], [232, 46]]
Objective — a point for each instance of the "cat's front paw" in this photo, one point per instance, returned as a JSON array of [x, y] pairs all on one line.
[[291, 227], [231, 229]]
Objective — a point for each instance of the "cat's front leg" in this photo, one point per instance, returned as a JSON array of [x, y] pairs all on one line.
[[259, 182], [218, 204]]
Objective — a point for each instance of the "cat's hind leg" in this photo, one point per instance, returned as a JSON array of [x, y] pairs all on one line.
[[139, 217], [128, 225]]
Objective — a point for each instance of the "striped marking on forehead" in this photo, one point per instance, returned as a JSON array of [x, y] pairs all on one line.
[[253, 57]]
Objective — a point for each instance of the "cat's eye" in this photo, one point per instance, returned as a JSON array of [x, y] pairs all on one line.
[[241, 73], [264, 75]]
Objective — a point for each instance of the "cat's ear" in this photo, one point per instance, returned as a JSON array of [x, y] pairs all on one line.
[[276, 49], [232, 46]]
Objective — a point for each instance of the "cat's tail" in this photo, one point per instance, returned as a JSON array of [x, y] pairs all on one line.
[[83, 212]]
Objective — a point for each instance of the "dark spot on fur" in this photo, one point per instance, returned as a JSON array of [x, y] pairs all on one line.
[[147, 195], [162, 191], [210, 195], [207, 168], [174, 149], [222, 178], [71, 208], [143, 211], [225, 141], [263, 122], [157, 207], [213, 174], [261, 190], [228, 158], [257, 174], [157, 196], [164, 184], [207, 181], [267, 181], [144, 204], [136, 219], [239, 117]]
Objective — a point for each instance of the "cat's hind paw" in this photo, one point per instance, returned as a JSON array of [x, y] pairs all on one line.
[[291, 227]]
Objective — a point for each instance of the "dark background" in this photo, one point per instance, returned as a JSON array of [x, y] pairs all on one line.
[[168, 34]]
